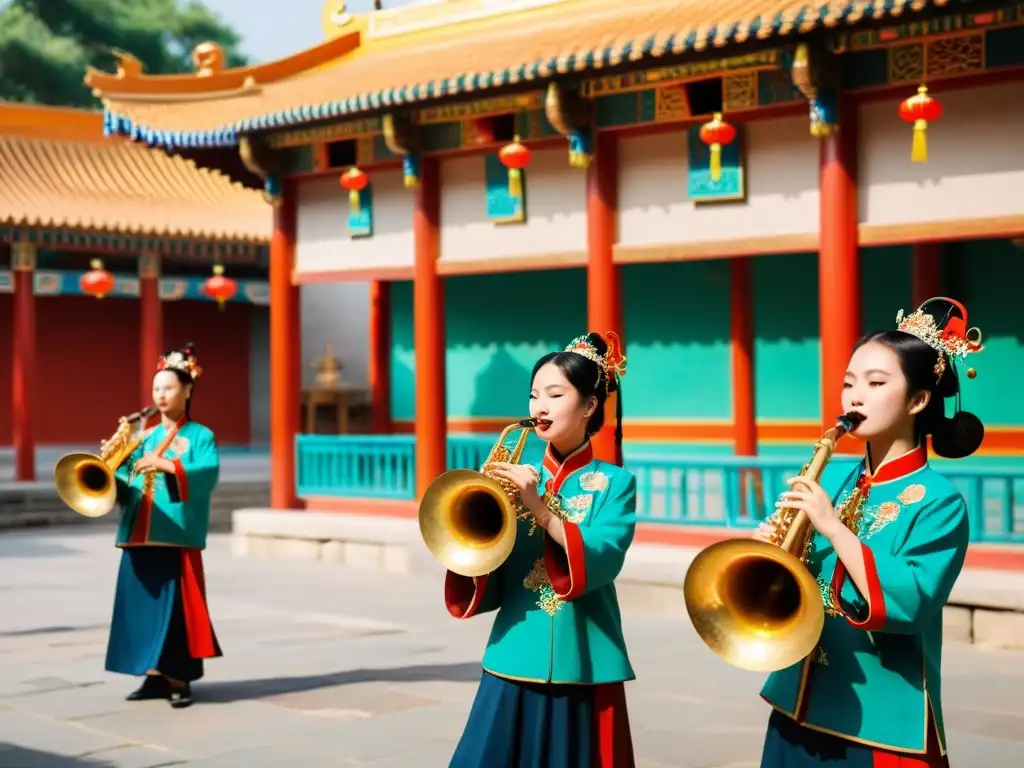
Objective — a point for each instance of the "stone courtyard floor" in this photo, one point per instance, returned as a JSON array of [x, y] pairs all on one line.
[[326, 666]]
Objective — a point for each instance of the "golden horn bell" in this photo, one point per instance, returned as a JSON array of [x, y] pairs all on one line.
[[468, 519], [755, 603], [86, 482]]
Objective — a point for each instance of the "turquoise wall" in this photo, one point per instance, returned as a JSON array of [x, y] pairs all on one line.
[[677, 329]]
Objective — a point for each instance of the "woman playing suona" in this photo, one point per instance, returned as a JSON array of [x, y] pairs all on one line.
[[552, 694], [890, 539], [161, 627]]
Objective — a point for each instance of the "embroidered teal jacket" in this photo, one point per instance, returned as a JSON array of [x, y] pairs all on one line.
[[164, 509], [558, 617], [876, 673]]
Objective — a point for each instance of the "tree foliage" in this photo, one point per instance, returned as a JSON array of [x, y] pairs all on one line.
[[46, 45]]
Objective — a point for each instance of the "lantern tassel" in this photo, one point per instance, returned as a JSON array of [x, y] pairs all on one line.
[[353, 200], [919, 150], [716, 162], [515, 182]]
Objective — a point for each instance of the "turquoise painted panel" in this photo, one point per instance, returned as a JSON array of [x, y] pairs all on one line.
[[864, 69], [987, 276], [701, 187], [501, 204], [498, 326], [360, 222], [720, 491], [787, 372], [1004, 47], [617, 109], [885, 285], [403, 353], [676, 325]]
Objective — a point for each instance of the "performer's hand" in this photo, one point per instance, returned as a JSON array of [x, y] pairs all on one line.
[[150, 462], [524, 477], [807, 495]]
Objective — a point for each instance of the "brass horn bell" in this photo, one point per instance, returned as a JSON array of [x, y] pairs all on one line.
[[468, 519], [86, 482]]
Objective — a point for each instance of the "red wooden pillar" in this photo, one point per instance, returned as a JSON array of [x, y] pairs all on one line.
[[429, 330], [380, 357], [604, 293], [23, 364], [741, 306], [285, 355], [839, 284], [151, 324], [926, 272]]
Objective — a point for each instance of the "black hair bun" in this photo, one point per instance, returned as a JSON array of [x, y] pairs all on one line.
[[597, 340], [958, 437]]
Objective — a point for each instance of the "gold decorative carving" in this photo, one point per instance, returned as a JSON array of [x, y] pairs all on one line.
[[323, 133], [328, 368], [497, 105], [400, 135], [956, 55], [671, 103], [739, 91], [906, 63], [149, 265], [208, 58], [23, 257], [364, 150], [339, 16], [697, 70], [128, 66]]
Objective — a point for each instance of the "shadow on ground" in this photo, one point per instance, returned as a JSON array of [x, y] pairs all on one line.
[[13, 756], [225, 692]]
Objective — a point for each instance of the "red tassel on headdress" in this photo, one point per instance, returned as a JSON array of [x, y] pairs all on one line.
[[615, 363]]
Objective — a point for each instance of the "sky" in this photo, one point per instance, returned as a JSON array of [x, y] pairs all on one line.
[[285, 26]]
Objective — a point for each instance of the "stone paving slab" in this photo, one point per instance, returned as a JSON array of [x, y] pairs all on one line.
[[329, 666]]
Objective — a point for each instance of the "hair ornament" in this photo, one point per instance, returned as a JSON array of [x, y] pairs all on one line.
[[611, 363], [949, 336], [182, 360]]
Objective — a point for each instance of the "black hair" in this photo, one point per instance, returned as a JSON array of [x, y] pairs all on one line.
[[588, 378], [186, 380], [953, 437]]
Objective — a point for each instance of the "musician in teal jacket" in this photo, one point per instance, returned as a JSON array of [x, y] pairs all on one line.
[[890, 540], [161, 626], [552, 692]]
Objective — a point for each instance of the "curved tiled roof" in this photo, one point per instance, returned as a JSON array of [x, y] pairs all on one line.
[[569, 37], [57, 170]]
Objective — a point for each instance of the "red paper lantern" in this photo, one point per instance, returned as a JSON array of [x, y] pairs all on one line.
[[516, 158], [97, 282], [920, 109], [220, 288], [354, 181], [717, 133]]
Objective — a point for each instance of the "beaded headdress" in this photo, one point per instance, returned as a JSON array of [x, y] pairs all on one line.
[[947, 334], [183, 360], [611, 363]]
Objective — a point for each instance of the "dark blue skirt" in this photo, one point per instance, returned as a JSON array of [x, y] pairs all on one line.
[[789, 745], [535, 725], [148, 630]]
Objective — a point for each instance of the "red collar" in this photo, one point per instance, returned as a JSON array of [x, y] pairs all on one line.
[[560, 471], [901, 466]]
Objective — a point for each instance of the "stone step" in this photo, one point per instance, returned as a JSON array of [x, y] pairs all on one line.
[[37, 504], [985, 608]]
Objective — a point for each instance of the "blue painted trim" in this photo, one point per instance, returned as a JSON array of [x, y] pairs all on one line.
[[227, 135]]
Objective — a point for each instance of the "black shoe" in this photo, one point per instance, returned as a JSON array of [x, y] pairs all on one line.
[[153, 687], [181, 697]]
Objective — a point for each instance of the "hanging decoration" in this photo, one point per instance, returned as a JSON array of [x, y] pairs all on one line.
[[717, 133], [355, 181], [920, 110], [516, 158], [98, 282], [219, 288]]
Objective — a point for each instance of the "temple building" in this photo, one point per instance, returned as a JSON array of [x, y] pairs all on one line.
[[110, 255], [738, 190]]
